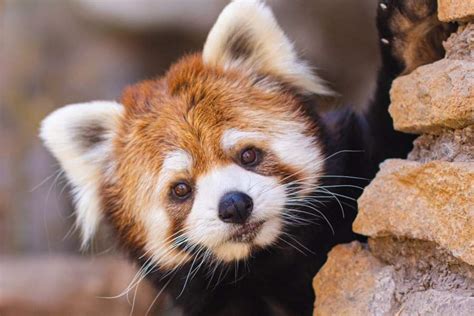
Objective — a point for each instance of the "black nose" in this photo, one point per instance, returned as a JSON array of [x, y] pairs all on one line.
[[235, 207]]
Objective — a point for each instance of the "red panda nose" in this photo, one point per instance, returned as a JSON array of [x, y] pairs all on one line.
[[235, 207]]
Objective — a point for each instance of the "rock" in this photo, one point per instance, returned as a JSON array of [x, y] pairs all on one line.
[[433, 302], [434, 97], [428, 280], [455, 10], [422, 265], [353, 282], [393, 277], [451, 145], [432, 201], [67, 285], [460, 45]]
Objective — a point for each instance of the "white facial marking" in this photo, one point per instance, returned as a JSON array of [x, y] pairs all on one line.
[[159, 246], [204, 226], [289, 143], [156, 221], [177, 160], [232, 137], [231, 251], [174, 162], [296, 149]]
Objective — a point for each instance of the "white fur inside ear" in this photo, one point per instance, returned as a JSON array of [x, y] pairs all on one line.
[[246, 34], [80, 137]]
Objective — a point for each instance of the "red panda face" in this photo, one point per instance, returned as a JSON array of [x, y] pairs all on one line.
[[206, 160], [195, 147]]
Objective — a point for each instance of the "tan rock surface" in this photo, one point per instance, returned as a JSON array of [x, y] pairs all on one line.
[[451, 145], [424, 264], [353, 282], [434, 97], [460, 45], [432, 201], [455, 10], [394, 277]]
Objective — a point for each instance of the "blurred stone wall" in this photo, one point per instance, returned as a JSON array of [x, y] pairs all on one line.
[[69, 285]]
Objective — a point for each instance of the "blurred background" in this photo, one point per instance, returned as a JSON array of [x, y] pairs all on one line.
[[55, 52]]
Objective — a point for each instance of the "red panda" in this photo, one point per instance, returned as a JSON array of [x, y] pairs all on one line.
[[220, 178]]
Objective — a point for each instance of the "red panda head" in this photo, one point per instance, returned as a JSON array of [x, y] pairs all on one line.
[[205, 159]]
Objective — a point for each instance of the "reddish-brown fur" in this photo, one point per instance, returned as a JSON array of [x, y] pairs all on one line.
[[189, 108]]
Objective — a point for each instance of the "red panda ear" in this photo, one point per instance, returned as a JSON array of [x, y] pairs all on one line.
[[80, 137], [247, 35]]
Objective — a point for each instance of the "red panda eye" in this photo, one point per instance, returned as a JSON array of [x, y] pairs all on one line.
[[181, 190], [249, 156]]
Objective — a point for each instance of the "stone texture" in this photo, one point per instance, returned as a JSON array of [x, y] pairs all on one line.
[[353, 282], [434, 97], [439, 95], [421, 265], [393, 277], [451, 145], [68, 285], [455, 10], [460, 45], [432, 201]]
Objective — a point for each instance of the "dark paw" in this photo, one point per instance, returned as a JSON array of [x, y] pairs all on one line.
[[410, 33]]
